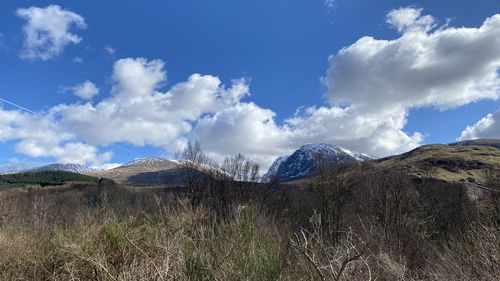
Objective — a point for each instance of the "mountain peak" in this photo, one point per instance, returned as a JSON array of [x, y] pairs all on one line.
[[302, 162], [149, 162]]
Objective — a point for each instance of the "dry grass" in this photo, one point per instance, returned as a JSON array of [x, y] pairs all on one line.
[[77, 233]]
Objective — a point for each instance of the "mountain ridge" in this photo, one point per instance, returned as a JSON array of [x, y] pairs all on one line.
[[301, 163], [68, 167]]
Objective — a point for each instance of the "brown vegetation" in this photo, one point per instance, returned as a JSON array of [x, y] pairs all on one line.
[[372, 224]]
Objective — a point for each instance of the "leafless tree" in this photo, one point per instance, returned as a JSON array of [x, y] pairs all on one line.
[[243, 175], [192, 160], [388, 198], [334, 189]]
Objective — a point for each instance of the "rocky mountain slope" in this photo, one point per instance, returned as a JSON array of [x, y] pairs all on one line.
[[302, 162], [273, 169]]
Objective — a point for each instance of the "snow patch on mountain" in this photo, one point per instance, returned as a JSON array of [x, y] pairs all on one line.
[[75, 168], [149, 162], [302, 162], [273, 170]]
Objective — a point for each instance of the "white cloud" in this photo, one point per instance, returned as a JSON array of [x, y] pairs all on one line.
[[86, 90], [78, 60], [137, 112], [250, 129], [443, 69], [71, 152], [371, 85], [410, 19], [109, 50], [40, 136], [487, 127], [47, 31]]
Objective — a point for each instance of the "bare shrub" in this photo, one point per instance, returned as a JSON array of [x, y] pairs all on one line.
[[471, 256], [334, 189], [348, 259], [388, 198]]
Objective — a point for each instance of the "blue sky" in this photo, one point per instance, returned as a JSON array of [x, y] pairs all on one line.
[[282, 55]]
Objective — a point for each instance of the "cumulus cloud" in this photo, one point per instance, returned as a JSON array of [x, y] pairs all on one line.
[[137, 112], [70, 152], [250, 129], [47, 31], [371, 87], [487, 127], [410, 19], [443, 69], [40, 136], [86, 90]]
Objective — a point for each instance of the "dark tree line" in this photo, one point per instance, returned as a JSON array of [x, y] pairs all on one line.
[[42, 178]]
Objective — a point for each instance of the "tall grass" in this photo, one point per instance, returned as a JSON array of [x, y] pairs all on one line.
[[111, 233]]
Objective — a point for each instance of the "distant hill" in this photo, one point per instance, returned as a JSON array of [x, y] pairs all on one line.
[[302, 162], [75, 168], [479, 142], [141, 171], [42, 178], [469, 161]]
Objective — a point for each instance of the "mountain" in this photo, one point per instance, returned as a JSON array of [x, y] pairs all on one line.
[[148, 163], [470, 161], [141, 171], [75, 168], [302, 162], [273, 170]]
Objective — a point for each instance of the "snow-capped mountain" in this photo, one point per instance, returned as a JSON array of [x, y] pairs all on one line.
[[141, 171], [151, 162], [75, 168], [302, 162], [273, 170]]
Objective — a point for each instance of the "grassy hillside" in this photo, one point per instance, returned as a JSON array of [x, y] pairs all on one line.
[[43, 178], [450, 163], [479, 142]]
